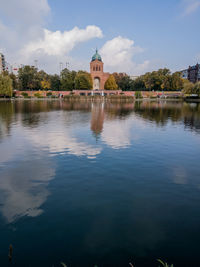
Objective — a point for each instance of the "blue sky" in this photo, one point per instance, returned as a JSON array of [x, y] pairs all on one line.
[[132, 36]]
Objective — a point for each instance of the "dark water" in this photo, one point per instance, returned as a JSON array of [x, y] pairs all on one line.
[[99, 183]]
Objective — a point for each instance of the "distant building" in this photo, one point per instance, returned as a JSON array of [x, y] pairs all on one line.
[[99, 77], [133, 77], [2, 63], [192, 73], [184, 74]]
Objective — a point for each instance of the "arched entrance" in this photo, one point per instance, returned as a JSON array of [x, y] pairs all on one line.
[[96, 83]]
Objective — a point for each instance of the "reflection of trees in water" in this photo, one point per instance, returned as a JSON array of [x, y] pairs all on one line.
[[162, 112], [159, 112], [118, 110], [192, 116], [6, 117], [35, 113]]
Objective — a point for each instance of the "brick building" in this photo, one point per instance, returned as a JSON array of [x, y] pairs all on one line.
[[99, 77]]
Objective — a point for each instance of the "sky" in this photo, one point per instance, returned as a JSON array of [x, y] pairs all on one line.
[[133, 36]]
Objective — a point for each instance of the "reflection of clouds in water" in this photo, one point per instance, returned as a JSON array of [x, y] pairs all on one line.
[[24, 189], [117, 133], [180, 175], [61, 142], [58, 136], [13, 147]]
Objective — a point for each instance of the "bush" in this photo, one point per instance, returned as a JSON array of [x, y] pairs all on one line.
[[38, 95], [25, 95], [49, 94], [138, 95], [197, 88]]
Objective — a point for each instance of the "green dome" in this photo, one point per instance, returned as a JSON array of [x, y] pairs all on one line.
[[96, 56]]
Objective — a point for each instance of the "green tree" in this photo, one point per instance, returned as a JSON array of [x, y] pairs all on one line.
[[197, 88], [126, 84], [138, 84], [29, 78], [83, 81], [15, 81], [176, 81], [188, 87], [67, 80], [110, 84], [55, 82], [6, 88]]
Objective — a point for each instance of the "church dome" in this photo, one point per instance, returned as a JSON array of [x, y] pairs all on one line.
[[96, 56]]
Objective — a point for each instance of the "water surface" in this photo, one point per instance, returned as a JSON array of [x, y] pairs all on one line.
[[99, 183]]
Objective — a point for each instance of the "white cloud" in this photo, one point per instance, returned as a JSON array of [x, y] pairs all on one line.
[[25, 37], [58, 43], [118, 54], [190, 6]]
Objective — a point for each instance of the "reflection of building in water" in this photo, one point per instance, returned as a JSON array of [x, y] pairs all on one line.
[[97, 120]]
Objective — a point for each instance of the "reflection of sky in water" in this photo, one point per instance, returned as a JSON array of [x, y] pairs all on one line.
[[27, 154], [24, 188], [116, 166]]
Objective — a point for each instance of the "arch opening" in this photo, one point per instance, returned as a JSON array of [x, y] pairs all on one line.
[[96, 83]]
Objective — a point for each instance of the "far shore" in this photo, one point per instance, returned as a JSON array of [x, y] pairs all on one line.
[[101, 98]]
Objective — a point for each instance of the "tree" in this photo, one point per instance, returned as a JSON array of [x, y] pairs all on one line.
[[68, 80], [176, 81], [188, 87], [6, 88], [110, 84], [119, 76], [15, 81], [45, 84], [13, 77], [125, 83], [28, 78], [55, 82], [138, 84], [197, 88], [83, 81]]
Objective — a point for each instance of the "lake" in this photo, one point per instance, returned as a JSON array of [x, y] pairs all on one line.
[[97, 183]]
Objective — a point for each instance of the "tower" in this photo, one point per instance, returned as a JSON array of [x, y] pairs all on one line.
[[96, 69]]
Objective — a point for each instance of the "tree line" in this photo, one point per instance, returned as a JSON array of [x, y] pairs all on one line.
[[30, 78]]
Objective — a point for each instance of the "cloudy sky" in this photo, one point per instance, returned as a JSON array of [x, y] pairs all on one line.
[[132, 36]]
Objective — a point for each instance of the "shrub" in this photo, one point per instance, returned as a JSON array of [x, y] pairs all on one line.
[[49, 94], [38, 95], [24, 94], [138, 95]]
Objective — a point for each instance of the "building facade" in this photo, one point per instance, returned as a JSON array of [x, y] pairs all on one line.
[[2, 63], [99, 77], [192, 73]]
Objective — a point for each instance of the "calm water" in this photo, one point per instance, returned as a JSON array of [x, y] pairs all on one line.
[[99, 183]]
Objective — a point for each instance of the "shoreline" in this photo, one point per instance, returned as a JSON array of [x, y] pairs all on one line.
[[103, 99]]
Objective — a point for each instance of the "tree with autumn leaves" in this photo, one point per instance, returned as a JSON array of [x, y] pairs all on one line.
[[111, 84]]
